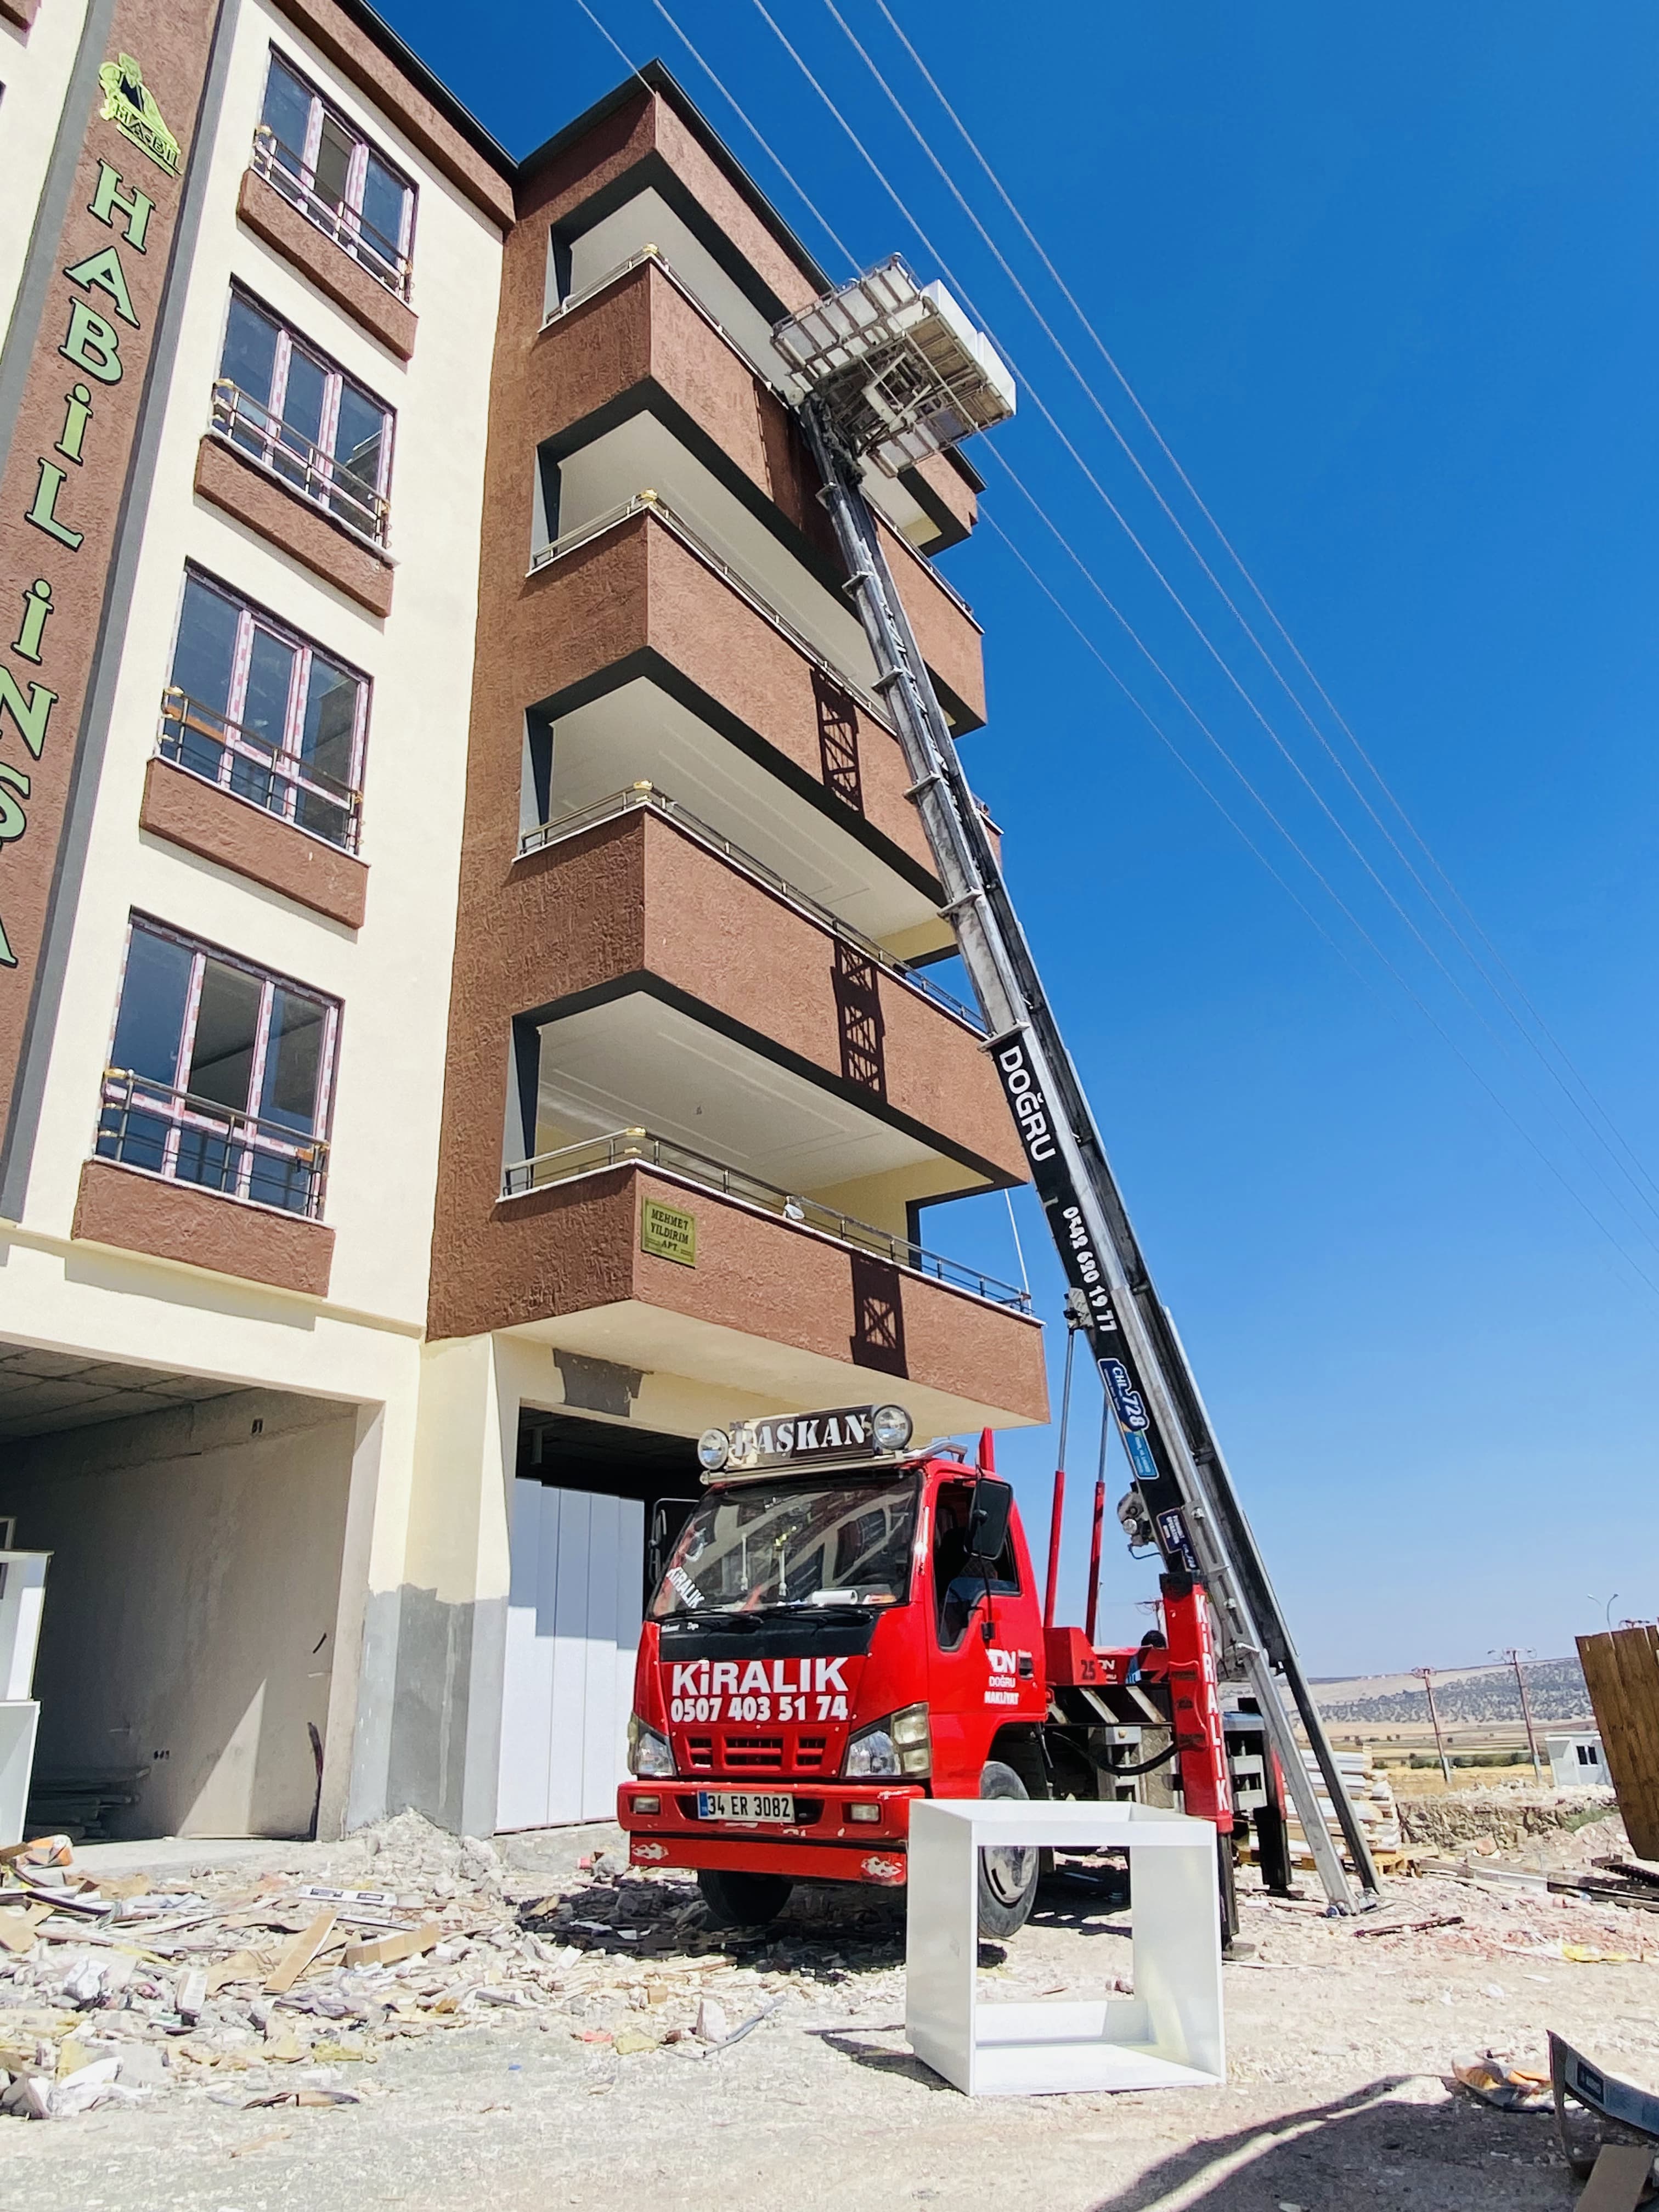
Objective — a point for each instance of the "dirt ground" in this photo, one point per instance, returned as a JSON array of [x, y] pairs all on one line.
[[1338, 2042]]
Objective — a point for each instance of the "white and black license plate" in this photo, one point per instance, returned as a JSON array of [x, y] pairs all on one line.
[[745, 1805]]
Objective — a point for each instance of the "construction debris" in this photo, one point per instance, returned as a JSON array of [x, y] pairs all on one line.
[[117, 1990]]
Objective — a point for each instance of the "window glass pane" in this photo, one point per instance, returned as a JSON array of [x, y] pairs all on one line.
[[385, 198], [293, 1057], [327, 740], [227, 1018], [288, 113], [204, 659], [302, 404], [358, 447], [270, 686], [250, 355], [152, 1018], [333, 162], [330, 720]]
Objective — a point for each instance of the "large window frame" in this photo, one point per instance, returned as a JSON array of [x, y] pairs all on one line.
[[260, 429], [335, 202], [157, 1126], [219, 748]]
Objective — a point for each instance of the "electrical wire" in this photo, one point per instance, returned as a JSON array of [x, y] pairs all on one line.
[[932, 248], [1093, 396], [1318, 797], [1618, 1144]]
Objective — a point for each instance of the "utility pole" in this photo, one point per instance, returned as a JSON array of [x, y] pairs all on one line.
[[1425, 1675], [1515, 1658]]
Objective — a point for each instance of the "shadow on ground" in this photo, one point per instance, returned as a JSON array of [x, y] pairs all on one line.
[[1372, 2151]]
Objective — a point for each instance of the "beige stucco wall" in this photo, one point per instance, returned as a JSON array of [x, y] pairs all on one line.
[[34, 70], [190, 1622]]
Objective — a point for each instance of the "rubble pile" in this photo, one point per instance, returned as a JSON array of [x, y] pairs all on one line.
[[285, 1989], [1512, 1815]]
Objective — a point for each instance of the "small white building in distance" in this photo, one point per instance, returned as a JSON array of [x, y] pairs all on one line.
[[1577, 1762]]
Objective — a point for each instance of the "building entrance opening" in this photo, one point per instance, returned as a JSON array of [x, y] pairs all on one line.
[[187, 1647], [596, 1506]]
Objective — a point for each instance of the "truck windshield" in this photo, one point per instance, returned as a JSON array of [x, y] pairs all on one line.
[[763, 1545]]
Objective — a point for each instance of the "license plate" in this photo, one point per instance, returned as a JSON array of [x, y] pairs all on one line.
[[745, 1805]]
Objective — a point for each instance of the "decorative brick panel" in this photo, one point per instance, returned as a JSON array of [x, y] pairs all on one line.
[[139, 1213], [269, 215], [236, 833], [294, 524]]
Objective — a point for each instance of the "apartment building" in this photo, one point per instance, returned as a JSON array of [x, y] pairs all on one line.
[[464, 1019]]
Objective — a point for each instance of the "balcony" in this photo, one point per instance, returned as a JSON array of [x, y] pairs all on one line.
[[253, 768], [636, 385], [807, 1304], [664, 975], [286, 172], [292, 458], [650, 659]]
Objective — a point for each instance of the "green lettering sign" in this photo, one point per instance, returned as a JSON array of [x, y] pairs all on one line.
[[668, 1233], [93, 343]]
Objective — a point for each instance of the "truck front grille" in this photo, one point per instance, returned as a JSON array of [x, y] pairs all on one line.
[[755, 1754]]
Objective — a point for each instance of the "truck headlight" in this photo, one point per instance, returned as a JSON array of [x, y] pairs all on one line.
[[714, 1450], [649, 1754], [902, 1744], [891, 1428]]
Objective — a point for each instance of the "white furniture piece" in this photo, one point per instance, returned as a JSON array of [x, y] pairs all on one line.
[[22, 1595], [1168, 2035]]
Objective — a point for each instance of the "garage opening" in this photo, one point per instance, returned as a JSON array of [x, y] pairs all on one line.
[[186, 1648], [595, 1508]]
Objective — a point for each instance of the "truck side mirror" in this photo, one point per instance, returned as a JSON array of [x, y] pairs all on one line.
[[987, 1525]]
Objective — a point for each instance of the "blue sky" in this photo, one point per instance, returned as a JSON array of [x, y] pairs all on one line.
[[1382, 278]]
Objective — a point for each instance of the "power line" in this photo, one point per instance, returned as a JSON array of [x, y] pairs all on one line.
[[1617, 1136], [1095, 400], [1411, 992]]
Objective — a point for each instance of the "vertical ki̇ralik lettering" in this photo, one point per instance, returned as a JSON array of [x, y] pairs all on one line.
[[62, 493]]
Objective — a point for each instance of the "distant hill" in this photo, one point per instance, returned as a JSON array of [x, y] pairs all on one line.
[[1463, 1695]]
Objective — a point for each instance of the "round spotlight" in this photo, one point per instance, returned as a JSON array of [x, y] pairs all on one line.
[[891, 1428], [713, 1448]]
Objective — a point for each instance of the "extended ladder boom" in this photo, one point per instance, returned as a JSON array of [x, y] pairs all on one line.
[[1192, 1512]]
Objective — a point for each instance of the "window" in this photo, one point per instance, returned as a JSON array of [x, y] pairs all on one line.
[[335, 177], [297, 415], [957, 1592], [219, 1074], [262, 713]]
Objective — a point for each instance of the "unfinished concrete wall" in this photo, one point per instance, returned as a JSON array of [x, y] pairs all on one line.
[[190, 1603]]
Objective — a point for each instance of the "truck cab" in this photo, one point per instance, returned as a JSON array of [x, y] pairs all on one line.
[[844, 1625]]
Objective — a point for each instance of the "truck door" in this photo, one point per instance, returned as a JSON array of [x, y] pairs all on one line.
[[973, 1681]]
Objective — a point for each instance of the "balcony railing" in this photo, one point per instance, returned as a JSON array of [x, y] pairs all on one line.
[[290, 456], [647, 795], [249, 766], [286, 173], [186, 1138], [639, 1148]]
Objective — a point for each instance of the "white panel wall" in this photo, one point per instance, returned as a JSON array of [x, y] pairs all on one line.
[[572, 1628]]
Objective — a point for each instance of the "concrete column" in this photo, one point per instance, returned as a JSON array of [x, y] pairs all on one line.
[[428, 1695]]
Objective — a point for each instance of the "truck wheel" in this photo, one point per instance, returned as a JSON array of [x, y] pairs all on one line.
[[743, 1900], [1007, 1872]]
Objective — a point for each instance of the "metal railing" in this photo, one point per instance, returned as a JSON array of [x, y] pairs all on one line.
[[639, 1148], [652, 503], [186, 1138], [222, 752], [647, 795], [290, 456], [286, 173]]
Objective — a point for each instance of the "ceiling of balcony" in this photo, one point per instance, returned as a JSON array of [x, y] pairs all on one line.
[[641, 454], [641, 734], [634, 1063]]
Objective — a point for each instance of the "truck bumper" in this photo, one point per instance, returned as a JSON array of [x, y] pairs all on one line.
[[830, 1845]]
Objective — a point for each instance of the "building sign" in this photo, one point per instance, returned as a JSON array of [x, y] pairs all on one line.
[[668, 1233], [68, 469]]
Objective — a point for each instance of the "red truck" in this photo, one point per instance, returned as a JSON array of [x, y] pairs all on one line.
[[845, 1624]]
